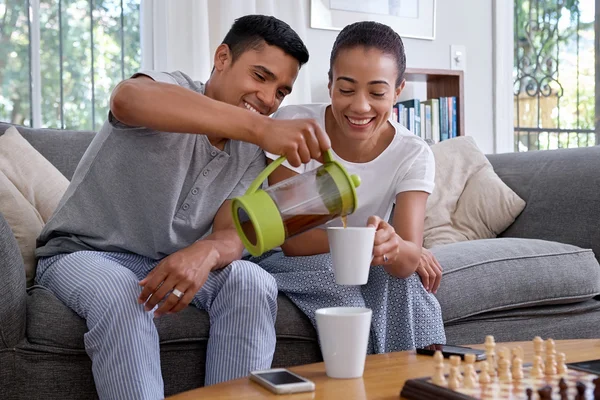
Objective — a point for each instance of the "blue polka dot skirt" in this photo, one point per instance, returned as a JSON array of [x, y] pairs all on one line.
[[405, 315]]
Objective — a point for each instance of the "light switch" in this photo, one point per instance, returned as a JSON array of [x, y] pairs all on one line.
[[458, 57]]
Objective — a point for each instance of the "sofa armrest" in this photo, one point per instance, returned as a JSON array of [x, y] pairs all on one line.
[[13, 307]]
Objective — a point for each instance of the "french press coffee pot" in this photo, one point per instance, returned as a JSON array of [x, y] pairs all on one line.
[[264, 219]]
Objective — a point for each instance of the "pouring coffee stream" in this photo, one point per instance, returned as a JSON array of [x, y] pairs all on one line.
[[264, 219]]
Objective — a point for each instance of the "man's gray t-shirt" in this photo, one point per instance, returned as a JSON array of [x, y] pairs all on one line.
[[147, 192]]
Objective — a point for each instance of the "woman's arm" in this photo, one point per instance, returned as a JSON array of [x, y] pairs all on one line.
[[308, 243], [408, 220]]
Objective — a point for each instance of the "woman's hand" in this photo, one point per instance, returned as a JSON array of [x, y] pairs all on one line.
[[387, 242], [430, 271]]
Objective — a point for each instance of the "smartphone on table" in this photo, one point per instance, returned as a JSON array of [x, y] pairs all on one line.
[[450, 350], [280, 381]]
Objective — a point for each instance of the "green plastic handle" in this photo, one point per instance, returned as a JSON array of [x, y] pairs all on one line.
[[327, 157]]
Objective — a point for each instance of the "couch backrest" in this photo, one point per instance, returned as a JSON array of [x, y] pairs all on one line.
[[562, 191], [63, 148]]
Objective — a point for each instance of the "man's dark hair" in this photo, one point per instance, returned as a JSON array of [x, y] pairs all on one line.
[[371, 34], [252, 31]]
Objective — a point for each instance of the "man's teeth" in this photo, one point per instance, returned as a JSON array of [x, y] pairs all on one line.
[[360, 121], [249, 107]]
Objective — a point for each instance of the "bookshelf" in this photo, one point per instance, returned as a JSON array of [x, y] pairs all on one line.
[[442, 83]]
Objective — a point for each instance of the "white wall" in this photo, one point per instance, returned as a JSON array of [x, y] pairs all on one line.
[[462, 22]]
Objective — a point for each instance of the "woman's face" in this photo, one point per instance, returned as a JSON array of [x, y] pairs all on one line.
[[363, 91]]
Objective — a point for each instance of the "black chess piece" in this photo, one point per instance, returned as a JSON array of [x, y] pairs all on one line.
[[562, 389], [529, 392], [545, 393], [580, 386], [596, 388]]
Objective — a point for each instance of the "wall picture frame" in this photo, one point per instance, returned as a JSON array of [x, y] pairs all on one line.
[[409, 18]]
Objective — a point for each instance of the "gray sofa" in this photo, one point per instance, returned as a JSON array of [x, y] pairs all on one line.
[[512, 287]]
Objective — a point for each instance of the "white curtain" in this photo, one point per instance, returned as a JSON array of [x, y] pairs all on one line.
[[184, 34]]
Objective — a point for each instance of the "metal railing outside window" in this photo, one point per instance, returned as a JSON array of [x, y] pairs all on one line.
[[555, 86]]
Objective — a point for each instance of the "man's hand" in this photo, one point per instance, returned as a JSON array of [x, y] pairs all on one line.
[[300, 140], [430, 271], [185, 270]]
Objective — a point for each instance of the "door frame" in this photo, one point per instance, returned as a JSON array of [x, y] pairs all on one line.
[[503, 62]]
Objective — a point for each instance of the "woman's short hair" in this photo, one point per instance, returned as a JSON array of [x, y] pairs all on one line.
[[370, 34]]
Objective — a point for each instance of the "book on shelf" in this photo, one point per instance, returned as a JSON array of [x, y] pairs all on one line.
[[431, 119]]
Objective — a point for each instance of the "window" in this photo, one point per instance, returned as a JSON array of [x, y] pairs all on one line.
[[554, 84], [60, 59]]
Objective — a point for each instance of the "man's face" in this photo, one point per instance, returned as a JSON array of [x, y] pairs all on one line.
[[257, 80]]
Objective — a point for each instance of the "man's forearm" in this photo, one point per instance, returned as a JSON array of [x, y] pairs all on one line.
[[171, 108], [228, 246]]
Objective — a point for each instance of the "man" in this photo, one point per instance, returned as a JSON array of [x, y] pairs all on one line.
[[145, 228]]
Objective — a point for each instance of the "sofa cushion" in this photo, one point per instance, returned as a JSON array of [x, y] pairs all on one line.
[[30, 189], [504, 273], [191, 324], [25, 223], [51, 143], [469, 201]]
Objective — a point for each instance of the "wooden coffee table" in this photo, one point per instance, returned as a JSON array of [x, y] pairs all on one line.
[[383, 378]]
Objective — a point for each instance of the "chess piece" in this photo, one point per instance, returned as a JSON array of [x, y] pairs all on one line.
[[438, 377], [453, 381], [536, 369], [545, 393], [550, 347], [562, 389], [438, 357], [455, 363], [470, 360], [596, 388], [580, 386], [490, 353], [517, 369], [550, 369], [538, 346], [484, 375], [504, 374], [561, 366], [529, 393], [517, 352], [470, 378]]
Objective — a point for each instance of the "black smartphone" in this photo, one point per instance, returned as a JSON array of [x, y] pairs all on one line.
[[450, 350], [592, 366]]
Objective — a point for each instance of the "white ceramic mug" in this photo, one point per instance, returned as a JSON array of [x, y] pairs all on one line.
[[351, 253], [344, 336]]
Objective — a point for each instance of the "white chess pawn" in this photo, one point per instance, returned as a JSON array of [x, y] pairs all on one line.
[[439, 378], [550, 347], [536, 370], [550, 369], [484, 376], [517, 369], [562, 364], [470, 378], [454, 375], [470, 360], [538, 346], [438, 357], [517, 352], [455, 363], [504, 370], [490, 355], [453, 383]]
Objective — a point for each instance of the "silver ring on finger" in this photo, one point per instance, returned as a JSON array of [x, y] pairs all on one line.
[[385, 258], [178, 293]]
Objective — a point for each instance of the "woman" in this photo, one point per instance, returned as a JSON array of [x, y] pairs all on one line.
[[366, 77]]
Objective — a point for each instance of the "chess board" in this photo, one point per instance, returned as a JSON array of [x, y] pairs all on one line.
[[424, 389]]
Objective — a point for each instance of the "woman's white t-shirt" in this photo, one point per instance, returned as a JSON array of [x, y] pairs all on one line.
[[407, 164]]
